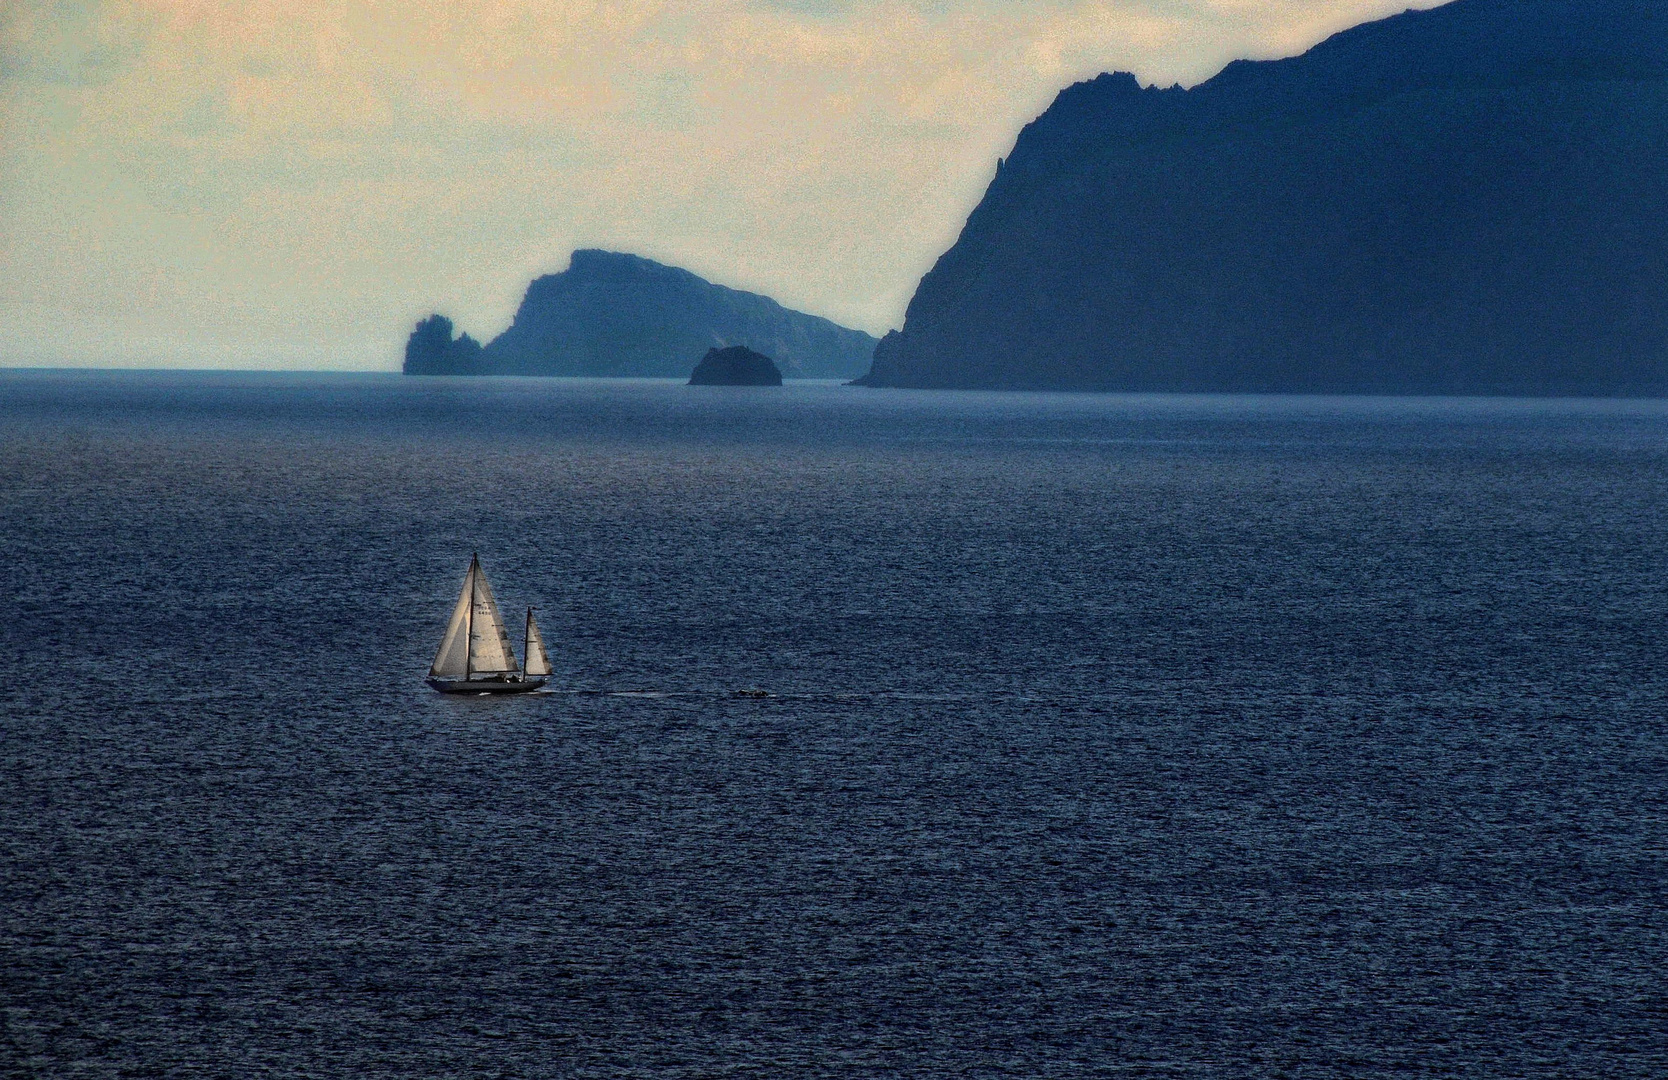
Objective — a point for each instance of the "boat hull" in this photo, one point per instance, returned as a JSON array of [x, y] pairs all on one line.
[[488, 686]]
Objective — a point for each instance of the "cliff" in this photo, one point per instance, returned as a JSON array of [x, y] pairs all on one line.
[[617, 314], [1470, 199]]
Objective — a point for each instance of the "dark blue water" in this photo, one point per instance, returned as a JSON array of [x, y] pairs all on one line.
[[1144, 736]]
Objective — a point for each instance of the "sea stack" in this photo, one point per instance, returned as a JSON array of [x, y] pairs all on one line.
[[432, 350], [736, 366]]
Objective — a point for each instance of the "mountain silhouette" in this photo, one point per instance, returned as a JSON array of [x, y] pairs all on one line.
[[615, 314], [1471, 199]]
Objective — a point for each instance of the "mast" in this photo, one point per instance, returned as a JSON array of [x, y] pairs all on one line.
[[469, 623], [527, 645]]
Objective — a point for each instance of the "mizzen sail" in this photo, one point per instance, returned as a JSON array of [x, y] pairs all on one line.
[[538, 661]]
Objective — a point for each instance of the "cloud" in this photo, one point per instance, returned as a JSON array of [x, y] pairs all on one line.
[[204, 180]]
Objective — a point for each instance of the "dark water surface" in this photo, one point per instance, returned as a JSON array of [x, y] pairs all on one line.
[[1139, 736]]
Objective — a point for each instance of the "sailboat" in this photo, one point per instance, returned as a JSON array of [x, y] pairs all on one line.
[[475, 655]]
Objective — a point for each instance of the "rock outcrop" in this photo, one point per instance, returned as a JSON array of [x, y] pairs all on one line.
[[617, 314], [735, 366], [1471, 199], [431, 350]]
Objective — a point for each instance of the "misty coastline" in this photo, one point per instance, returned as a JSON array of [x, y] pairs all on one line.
[[1456, 201]]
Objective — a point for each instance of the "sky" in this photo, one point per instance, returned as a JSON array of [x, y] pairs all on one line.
[[265, 184]]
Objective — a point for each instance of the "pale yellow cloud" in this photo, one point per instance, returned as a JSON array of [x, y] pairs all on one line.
[[209, 181]]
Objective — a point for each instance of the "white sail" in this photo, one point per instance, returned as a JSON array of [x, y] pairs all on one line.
[[538, 661], [451, 659], [489, 642]]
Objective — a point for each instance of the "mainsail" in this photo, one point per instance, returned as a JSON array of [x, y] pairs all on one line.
[[538, 661], [489, 641], [476, 642]]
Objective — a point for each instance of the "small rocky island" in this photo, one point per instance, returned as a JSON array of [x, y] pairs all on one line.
[[736, 366]]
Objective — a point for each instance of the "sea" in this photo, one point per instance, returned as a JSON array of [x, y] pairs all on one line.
[[892, 733]]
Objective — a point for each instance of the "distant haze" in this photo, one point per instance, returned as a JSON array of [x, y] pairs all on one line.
[[293, 184]]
